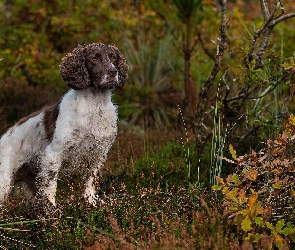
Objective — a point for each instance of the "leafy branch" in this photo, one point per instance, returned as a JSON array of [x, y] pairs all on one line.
[[259, 77]]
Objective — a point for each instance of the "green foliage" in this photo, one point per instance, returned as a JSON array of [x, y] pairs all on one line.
[[151, 202], [260, 196], [35, 35], [143, 102], [186, 8], [165, 168], [18, 99]]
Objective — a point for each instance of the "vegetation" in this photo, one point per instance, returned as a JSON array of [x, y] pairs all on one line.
[[225, 69]]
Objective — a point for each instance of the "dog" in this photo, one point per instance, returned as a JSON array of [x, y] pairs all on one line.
[[76, 132]]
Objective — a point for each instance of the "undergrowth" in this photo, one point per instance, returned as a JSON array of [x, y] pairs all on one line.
[[152, 205], [259, 197]]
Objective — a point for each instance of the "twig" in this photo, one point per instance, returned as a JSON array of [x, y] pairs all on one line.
[[249, 132], [207, 52]]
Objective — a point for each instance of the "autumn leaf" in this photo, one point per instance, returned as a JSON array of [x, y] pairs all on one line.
[[291, 120], [233, 195], [233, 152], [241, 196], [229, 179], [284, 136], [252, 200], [220, 180], [276, 185], [278, 239], [252, 175], [277, 171]]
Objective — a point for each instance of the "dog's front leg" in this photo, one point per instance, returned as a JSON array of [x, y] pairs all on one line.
[[46, 181], [90, 186]]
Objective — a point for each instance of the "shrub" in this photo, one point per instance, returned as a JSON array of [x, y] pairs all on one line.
[[18, 99], [260, 196]]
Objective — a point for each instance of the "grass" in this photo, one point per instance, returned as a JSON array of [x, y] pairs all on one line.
[[148, 204]]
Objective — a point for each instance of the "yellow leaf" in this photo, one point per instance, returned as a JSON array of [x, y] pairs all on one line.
[[246, 224], [278, 239], [276, 185], [252, 175], [292, 120], [252, 200], [232, 152]]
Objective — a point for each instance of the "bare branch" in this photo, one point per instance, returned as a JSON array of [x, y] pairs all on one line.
[[282, 18], [203, 95], [257, 33], [265, 10], [265, 29]]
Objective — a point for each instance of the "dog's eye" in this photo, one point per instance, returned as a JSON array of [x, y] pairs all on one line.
[[94, 59], [113, 57]]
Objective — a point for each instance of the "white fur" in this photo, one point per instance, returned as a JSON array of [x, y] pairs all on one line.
[[85, 130]]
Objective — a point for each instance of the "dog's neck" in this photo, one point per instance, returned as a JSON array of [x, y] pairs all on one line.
[[91, 95]]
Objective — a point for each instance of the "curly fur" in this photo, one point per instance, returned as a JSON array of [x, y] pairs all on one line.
[[76, 132], [74, 72]]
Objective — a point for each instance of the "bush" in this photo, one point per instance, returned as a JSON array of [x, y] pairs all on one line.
[[260, 196], [18, 99]]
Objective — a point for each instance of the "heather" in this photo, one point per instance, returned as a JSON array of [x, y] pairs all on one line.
[[204, 157]]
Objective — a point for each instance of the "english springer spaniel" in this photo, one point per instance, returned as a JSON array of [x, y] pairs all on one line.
[[76, 132]]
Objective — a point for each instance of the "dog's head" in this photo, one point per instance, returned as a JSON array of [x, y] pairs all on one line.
[[99, 65]]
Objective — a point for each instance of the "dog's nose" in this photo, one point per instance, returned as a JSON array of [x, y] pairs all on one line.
[[112, 72]]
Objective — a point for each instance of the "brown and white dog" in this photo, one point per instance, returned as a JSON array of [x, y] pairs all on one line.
[[77, 131]]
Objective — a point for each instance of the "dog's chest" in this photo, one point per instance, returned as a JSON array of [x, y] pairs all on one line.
[[98, 123], [90, 123]]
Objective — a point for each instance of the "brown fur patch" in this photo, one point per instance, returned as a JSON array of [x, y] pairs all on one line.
[[49, 120], [23, 120]]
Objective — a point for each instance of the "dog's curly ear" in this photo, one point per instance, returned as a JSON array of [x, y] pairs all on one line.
[[122, 67], [73, 70]]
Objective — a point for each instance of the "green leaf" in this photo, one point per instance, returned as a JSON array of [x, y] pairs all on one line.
[[280, 225], [270, 226], [235, 178], [217, 187], [246, 224], [253, 237], [259, 221], [287, 231]]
